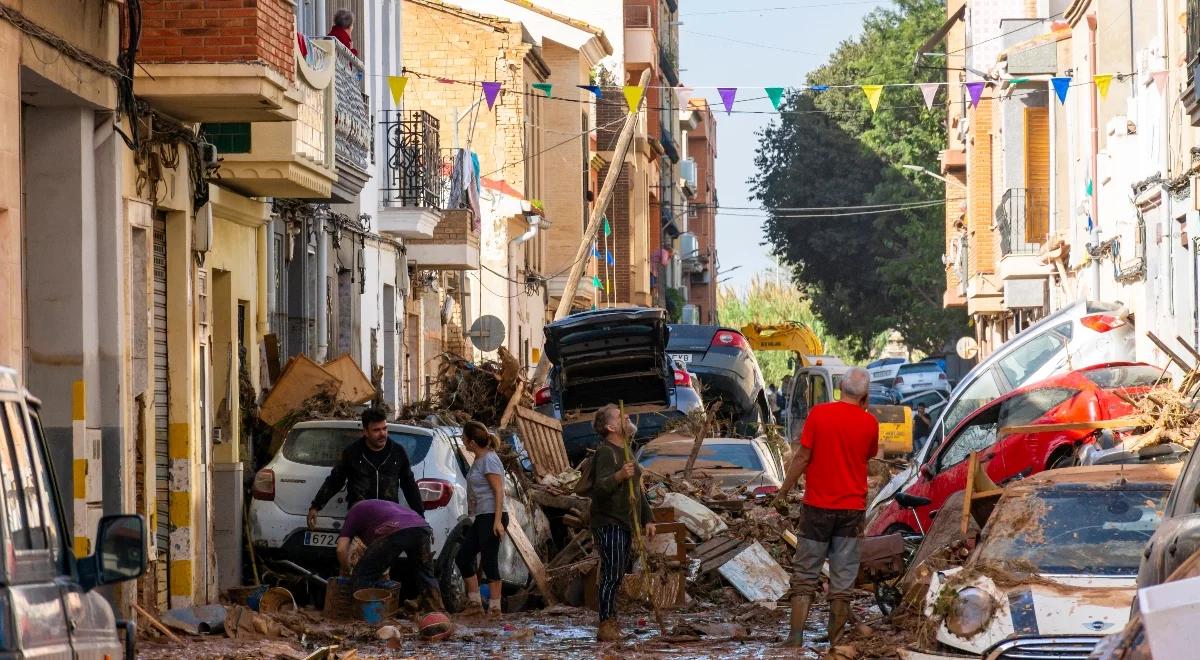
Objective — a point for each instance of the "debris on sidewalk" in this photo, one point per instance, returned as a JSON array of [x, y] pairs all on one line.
[[755, 574], [200, 620], [245, 624]]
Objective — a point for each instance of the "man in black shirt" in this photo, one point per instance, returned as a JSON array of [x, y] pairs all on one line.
[[371, 468]]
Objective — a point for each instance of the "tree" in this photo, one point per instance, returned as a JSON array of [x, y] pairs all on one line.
[[774, 300], [865, 273]]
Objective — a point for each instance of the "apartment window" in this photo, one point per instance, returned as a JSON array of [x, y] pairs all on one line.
[[308, 21], [232, 138]]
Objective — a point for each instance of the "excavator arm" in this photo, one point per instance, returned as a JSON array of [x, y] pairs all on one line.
[[788, 336]]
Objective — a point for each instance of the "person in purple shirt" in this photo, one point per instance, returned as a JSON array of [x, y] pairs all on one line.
[[390, 531]]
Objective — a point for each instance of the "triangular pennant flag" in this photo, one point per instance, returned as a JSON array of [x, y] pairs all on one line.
[[1102, 80], [818, 88], [1160, 80], [683, 94], [775, 94], [594, 89], [607, 228], [873, 93], [975, 90], [596, 281], [1018, 81], [397, 85], [1087, 189], [490, 90], [929, 90], [610, 258], [633, 96], [727, 96], [542, 87], [1061, 85], [595, 252]]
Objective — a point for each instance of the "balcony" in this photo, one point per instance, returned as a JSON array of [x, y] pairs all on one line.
[[641, 46], [668, 62], [352, 129], [1191, 100], [414, 179], [454, 246], [1022, 225], [687, 175], [292, 159]]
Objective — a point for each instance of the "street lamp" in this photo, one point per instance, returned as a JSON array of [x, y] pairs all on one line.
[[922, 170]]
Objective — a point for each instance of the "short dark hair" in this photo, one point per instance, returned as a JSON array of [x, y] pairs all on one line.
[[343, 18], [600, 421], [372, 416]]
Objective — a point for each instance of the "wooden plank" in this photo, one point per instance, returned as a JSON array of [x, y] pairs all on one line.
[[532, 560], [1170, 353], [1118, 423], [972, 465], [157, 625], [300, 381], [271, 344], [356, 388], [756, 575]]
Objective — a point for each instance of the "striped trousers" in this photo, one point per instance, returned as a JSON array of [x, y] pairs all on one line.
[[614, 544]]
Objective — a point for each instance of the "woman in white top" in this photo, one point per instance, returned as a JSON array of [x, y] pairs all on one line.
[[485, 500]]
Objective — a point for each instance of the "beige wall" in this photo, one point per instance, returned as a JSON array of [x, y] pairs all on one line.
[[11, 279]]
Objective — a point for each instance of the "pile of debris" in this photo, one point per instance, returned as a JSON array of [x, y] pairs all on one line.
[[483, 391]]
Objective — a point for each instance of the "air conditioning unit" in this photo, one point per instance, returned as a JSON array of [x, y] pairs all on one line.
[[202, 229]]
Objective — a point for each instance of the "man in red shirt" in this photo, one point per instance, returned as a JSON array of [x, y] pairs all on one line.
[[835, 446]]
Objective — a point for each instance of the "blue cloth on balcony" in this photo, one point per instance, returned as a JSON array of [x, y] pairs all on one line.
[[464, 184]]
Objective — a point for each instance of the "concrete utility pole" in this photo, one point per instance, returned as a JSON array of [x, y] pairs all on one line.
[[606, 191]]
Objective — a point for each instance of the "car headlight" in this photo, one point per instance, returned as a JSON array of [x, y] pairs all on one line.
[[970, 612]]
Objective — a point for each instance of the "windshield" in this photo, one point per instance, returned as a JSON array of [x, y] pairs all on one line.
[[1074, 531], [671, 459], [921, 367], [323, 446], [1141, 375]]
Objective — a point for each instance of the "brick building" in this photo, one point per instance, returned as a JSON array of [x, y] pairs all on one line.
[[698, 173]]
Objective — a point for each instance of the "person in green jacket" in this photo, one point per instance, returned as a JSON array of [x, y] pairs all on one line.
[[613, 510]]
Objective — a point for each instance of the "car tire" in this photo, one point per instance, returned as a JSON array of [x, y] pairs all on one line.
[[750, 424], [1062, 459], [450, 579]]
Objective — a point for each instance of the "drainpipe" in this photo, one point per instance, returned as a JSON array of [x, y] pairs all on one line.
[[266, 294], [322, 310], [1095, 129], [1168, 215], [514, 307]]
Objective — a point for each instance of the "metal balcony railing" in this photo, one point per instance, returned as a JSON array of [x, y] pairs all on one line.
[[1022, 221], [687, 172], [414, 171], [351, 108], [1193, 38], [669, 63]]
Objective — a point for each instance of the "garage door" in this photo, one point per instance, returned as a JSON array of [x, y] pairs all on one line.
[[162, 466]]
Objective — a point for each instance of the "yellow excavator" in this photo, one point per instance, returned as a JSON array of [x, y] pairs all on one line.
[[815, 380]]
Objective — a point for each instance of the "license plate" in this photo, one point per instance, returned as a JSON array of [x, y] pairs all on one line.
[[681, 357], [320, 539]]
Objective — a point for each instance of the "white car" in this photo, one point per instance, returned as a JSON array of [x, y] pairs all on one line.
[[920, 377], [1055, 568], [1074, 337], [284, 489]]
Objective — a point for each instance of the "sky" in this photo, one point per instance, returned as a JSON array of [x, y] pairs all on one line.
[[751, 44]]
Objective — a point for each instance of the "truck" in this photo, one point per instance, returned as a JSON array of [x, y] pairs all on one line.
[[816, 378]]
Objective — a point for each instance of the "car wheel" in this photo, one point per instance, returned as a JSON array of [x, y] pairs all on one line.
[[1062, 459], [450, 579]]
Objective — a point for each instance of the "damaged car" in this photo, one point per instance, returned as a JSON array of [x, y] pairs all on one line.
[[1055, 566]]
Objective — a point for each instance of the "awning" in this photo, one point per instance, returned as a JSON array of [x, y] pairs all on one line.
[[940, 34]]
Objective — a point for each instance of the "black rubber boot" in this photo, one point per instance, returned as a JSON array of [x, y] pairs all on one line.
[[800, 607]]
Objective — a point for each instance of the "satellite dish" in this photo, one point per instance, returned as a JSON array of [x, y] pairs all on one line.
[[487, 333], [967, 348]]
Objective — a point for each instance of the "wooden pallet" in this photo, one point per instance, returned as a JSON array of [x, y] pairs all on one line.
[[543, 440]]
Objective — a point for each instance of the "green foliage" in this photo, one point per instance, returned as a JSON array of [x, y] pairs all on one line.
[[675, 303], [864, 274], [774, 301]]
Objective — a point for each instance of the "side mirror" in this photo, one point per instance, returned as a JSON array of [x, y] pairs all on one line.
[[120, 552]]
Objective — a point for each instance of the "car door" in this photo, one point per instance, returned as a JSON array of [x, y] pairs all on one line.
[[1025, 453], [1178, 536], [949, 466]]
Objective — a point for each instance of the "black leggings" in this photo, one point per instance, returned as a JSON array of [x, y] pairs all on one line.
[[480, 540]]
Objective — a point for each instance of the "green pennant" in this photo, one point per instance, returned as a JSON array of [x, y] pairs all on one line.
[[542, 87], [607, 228], [596, 281], [1088, 189], [775, 94], [1018, 81]]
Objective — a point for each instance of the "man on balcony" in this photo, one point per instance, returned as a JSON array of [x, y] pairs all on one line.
[[343, 25]]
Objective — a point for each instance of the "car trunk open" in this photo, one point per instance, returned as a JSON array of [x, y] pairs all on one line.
[[610, 356]]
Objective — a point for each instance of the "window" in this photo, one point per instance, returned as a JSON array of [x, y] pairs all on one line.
[[1110, 378], [799, 408], [920, 367], [818, 392], [973, 398], [1027, 408], [975, 437], [1031, 356], [672, 458], [23, 499], [324, 446], [228, 138]]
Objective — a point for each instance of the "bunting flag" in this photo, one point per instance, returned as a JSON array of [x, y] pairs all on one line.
[[607, 227], [1102, 81], [929, 91], [818, 88], [727, 96], [1018, 81], [683, 94], [873, 93], [775, 94], [397, 85], [542, 87], [595, 252], [610, 258], [490, 90], [1160, 80], [596, 281], [633, 96], [594, 89], [1061, 85], [975, 89]]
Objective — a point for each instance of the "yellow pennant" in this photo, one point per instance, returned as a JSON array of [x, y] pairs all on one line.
[[397, 85], [633, 96], [1102, 80], [873, 93]]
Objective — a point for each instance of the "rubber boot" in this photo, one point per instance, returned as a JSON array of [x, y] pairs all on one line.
[[609, 631], [800, 607], [839, 614]]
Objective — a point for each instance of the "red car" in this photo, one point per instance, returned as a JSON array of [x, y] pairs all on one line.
[[1087, 394]]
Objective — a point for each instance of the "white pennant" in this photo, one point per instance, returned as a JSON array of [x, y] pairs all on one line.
[[683, 94], [929, 90]]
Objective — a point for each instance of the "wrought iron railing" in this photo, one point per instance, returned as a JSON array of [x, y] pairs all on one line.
[[351, 110], [414, 171], [1022, 221], [1193, 38]]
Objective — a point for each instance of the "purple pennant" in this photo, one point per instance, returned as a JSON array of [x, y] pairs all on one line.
[[975, 89], [490, 90], [727, 96]]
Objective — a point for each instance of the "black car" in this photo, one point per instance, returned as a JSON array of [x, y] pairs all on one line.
[[723, 361], [613, 356], [1178, 536]]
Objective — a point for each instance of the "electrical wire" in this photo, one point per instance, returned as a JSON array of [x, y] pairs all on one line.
[[788, 8], [1005, 34], [811, 208], [769, 214]]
